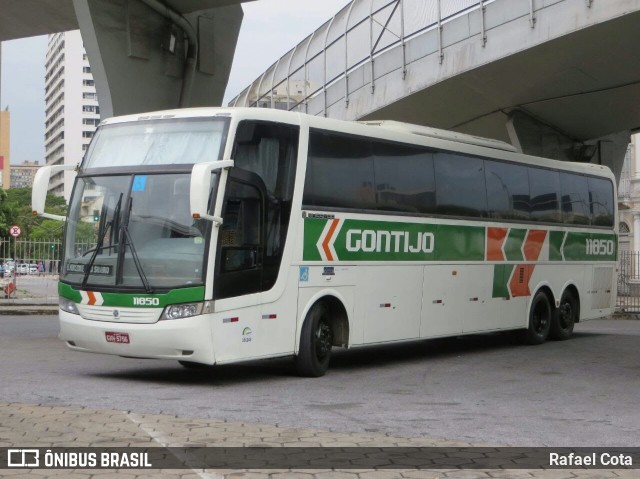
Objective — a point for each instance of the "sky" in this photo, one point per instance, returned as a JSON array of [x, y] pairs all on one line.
[[270, 29]]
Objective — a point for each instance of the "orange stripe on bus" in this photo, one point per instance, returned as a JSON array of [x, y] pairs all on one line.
[[533, 244], [519, 284], [92, 297], [495, 240], [327, 239]]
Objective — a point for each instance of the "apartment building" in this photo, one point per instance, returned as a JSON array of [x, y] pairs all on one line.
[[72, 112]]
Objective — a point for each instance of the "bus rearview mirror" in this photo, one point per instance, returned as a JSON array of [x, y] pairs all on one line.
[[201, 187], [40, 187]]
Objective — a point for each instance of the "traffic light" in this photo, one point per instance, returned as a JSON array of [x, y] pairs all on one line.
[[53, 246], [96, 216]]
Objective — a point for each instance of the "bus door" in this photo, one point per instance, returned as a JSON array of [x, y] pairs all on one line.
[[241, 237], [239, 266]]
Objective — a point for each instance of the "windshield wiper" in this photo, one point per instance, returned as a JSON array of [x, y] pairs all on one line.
[[126, 236], [99, 246], [136, 261]]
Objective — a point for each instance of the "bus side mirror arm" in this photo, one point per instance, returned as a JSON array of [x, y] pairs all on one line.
[[201, 186], [40, 187]]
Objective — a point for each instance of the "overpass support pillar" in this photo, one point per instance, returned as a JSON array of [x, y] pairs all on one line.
[[533, 137], [145, 59]]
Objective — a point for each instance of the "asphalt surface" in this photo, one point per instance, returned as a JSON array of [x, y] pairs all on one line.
[[481, 389]]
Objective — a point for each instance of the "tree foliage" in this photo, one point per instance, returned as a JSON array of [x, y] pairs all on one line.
[[15, 209]]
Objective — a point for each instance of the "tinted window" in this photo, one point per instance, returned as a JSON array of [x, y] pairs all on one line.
[[601, 202], [270, 150], [544, 187], [240, 241], [460, 186], [404, 178], [575, 199], [339, 172], [507, 190]]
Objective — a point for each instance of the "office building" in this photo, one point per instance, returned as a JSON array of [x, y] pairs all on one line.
[[22, 174]]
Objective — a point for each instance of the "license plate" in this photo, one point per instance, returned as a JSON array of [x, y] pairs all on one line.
[[121, 338]]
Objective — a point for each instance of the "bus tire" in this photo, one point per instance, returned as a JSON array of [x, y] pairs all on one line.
[[316, 340], [565, 317], [540, 318]]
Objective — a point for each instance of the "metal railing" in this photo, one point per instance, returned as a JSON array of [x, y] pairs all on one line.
[[628, 299], [352, 40], [18, 252]]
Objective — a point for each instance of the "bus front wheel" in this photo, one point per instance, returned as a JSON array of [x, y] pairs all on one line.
[[316, 341], [540, 317], [565, 318]]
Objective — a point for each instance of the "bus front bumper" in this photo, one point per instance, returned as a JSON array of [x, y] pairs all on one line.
[[186, 339]]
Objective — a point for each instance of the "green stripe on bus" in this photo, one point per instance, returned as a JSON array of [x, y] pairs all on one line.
[[179, 295], [501, 275], [68, 292], [555, 245], [364, 240], [312, 230], [590, 247], [513, 244]]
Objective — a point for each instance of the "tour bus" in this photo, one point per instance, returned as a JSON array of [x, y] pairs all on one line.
[[212, 236]]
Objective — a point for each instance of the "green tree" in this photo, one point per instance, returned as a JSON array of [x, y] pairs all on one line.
[[15, 209], [47, 230], [6, 214]]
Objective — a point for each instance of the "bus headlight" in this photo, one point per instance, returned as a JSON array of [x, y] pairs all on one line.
[[177, 311], [68, 305]]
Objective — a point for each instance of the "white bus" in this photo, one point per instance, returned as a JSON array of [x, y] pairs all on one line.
[[225, 235]]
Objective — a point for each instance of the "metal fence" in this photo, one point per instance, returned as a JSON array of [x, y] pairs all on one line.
[[628, 299], [35, 252]]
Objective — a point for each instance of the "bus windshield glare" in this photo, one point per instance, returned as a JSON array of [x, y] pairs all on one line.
[[178, 141]]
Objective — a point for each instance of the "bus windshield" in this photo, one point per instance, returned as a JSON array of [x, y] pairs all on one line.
[[134, 231]]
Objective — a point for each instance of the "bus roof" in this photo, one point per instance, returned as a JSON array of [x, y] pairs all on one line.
[[407, 132], [441, 134]]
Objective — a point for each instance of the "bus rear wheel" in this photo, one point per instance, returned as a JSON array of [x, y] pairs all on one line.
[[565, 318], [540, 318], [316, 341]]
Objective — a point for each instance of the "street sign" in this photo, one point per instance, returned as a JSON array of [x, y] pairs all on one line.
[[15, 231]]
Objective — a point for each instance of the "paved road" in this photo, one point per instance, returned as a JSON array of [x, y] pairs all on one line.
[[481, 389]]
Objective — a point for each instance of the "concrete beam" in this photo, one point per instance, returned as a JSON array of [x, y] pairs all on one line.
[[137, 56], [534, 137]]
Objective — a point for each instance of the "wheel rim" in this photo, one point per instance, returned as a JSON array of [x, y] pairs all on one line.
[[565, 316], [324, 339], [540, 317]]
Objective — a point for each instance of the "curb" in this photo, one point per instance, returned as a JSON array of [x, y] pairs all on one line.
[[28, 309]]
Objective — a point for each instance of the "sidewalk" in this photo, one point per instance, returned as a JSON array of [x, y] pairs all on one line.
[[23, 425], [34, 295]]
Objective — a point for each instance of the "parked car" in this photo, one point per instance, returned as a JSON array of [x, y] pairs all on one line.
[[22, 268], [7, 269], [33, 269]]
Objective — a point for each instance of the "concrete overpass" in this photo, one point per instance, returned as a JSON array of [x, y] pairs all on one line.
[[557, 78], [145, 54]]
